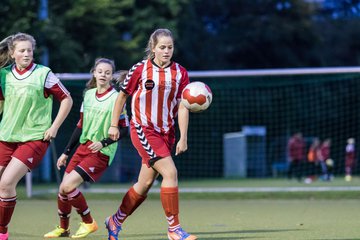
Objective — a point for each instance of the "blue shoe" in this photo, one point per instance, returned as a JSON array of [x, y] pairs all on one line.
[[112, 228], [180, 234]]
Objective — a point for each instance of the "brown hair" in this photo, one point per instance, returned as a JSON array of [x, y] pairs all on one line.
[[154, 39], [119, 77], [7, 46], [92, 82]]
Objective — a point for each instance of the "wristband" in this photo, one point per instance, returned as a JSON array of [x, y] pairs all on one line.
[[114, 126], [104, 143]]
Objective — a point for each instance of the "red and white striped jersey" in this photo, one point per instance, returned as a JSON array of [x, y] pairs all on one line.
[[156, 93]]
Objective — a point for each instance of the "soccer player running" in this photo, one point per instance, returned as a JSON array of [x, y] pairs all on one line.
[[95, 152], [26, 97], [155, 84], [350, 158]]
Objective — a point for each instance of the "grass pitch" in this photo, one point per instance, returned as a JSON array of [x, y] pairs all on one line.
[[305, 215]]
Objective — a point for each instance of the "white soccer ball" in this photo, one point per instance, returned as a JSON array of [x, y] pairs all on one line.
[[196, 96]]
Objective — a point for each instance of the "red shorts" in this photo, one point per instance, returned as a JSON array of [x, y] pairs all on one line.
[[349, 163], [30, 153], [150, 144], [89, 165]]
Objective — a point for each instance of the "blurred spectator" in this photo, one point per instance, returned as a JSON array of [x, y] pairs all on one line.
[[326, 163], [349, 158], [296, 153], [312, 160]]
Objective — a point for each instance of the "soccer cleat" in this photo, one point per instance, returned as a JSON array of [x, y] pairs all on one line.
[[57, 232], [180, 234], [4, 236], [348, 178], [85, 229], [112, 228]]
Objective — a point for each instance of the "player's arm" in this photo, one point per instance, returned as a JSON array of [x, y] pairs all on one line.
[[127, 88], [123, 133], [118, 108], [74, 139], [97, 146], [54, 87], [183, 121], [64, 109], [73, 142], [183, 115]]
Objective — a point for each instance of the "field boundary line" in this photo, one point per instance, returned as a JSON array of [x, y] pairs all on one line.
[[218, 189]]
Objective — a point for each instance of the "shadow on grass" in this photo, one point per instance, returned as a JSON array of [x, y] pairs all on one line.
[[215, 235], [218, 235], [335, 239]]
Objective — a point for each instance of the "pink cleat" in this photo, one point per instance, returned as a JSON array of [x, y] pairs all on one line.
[[4, 236]]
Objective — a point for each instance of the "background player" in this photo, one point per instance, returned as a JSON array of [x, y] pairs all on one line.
[[350, 158], [95, 152], [26, 93]]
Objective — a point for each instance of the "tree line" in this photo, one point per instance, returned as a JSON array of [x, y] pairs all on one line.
[[209, 34]]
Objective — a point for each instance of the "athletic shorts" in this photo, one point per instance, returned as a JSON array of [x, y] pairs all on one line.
[[30, 153], [150, 144], [89, 165]]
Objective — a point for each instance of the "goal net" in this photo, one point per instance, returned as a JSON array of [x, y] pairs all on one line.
[[264, 108]]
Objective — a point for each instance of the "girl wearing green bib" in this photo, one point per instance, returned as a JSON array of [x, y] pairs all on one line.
[[27, 90], [95, 152]]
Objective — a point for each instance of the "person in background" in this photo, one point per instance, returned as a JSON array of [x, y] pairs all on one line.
[[95, 152], [326, 163], [312, 161], [26, 98], [296, 154], [350, 159], [155, 84]]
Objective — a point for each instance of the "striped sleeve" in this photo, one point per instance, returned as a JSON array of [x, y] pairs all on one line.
[[131, 81], [53, 86]]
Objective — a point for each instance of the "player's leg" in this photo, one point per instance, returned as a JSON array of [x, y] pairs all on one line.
[[64, 211], [348, 172], [16, 160], [69, 187], [169, 195], [10, 177], [131, 201], [68, 196]]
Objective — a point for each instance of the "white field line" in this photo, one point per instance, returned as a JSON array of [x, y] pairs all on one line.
[[217, 189]]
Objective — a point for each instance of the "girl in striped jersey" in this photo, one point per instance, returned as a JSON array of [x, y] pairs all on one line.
[[26, 96], [95, 152], [155, 85]]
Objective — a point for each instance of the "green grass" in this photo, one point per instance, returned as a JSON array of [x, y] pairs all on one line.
[[220, 216], [208, 219]]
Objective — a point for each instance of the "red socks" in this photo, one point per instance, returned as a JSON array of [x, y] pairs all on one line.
[[7, 206], [77, 200], [130, 203], [73, 199], [170, 202], [64, 210], [169, 199]]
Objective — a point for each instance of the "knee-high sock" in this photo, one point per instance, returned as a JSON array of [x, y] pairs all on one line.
[[170, 202], [77, 200], [7, 206], [130, 203], [64, 210]]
